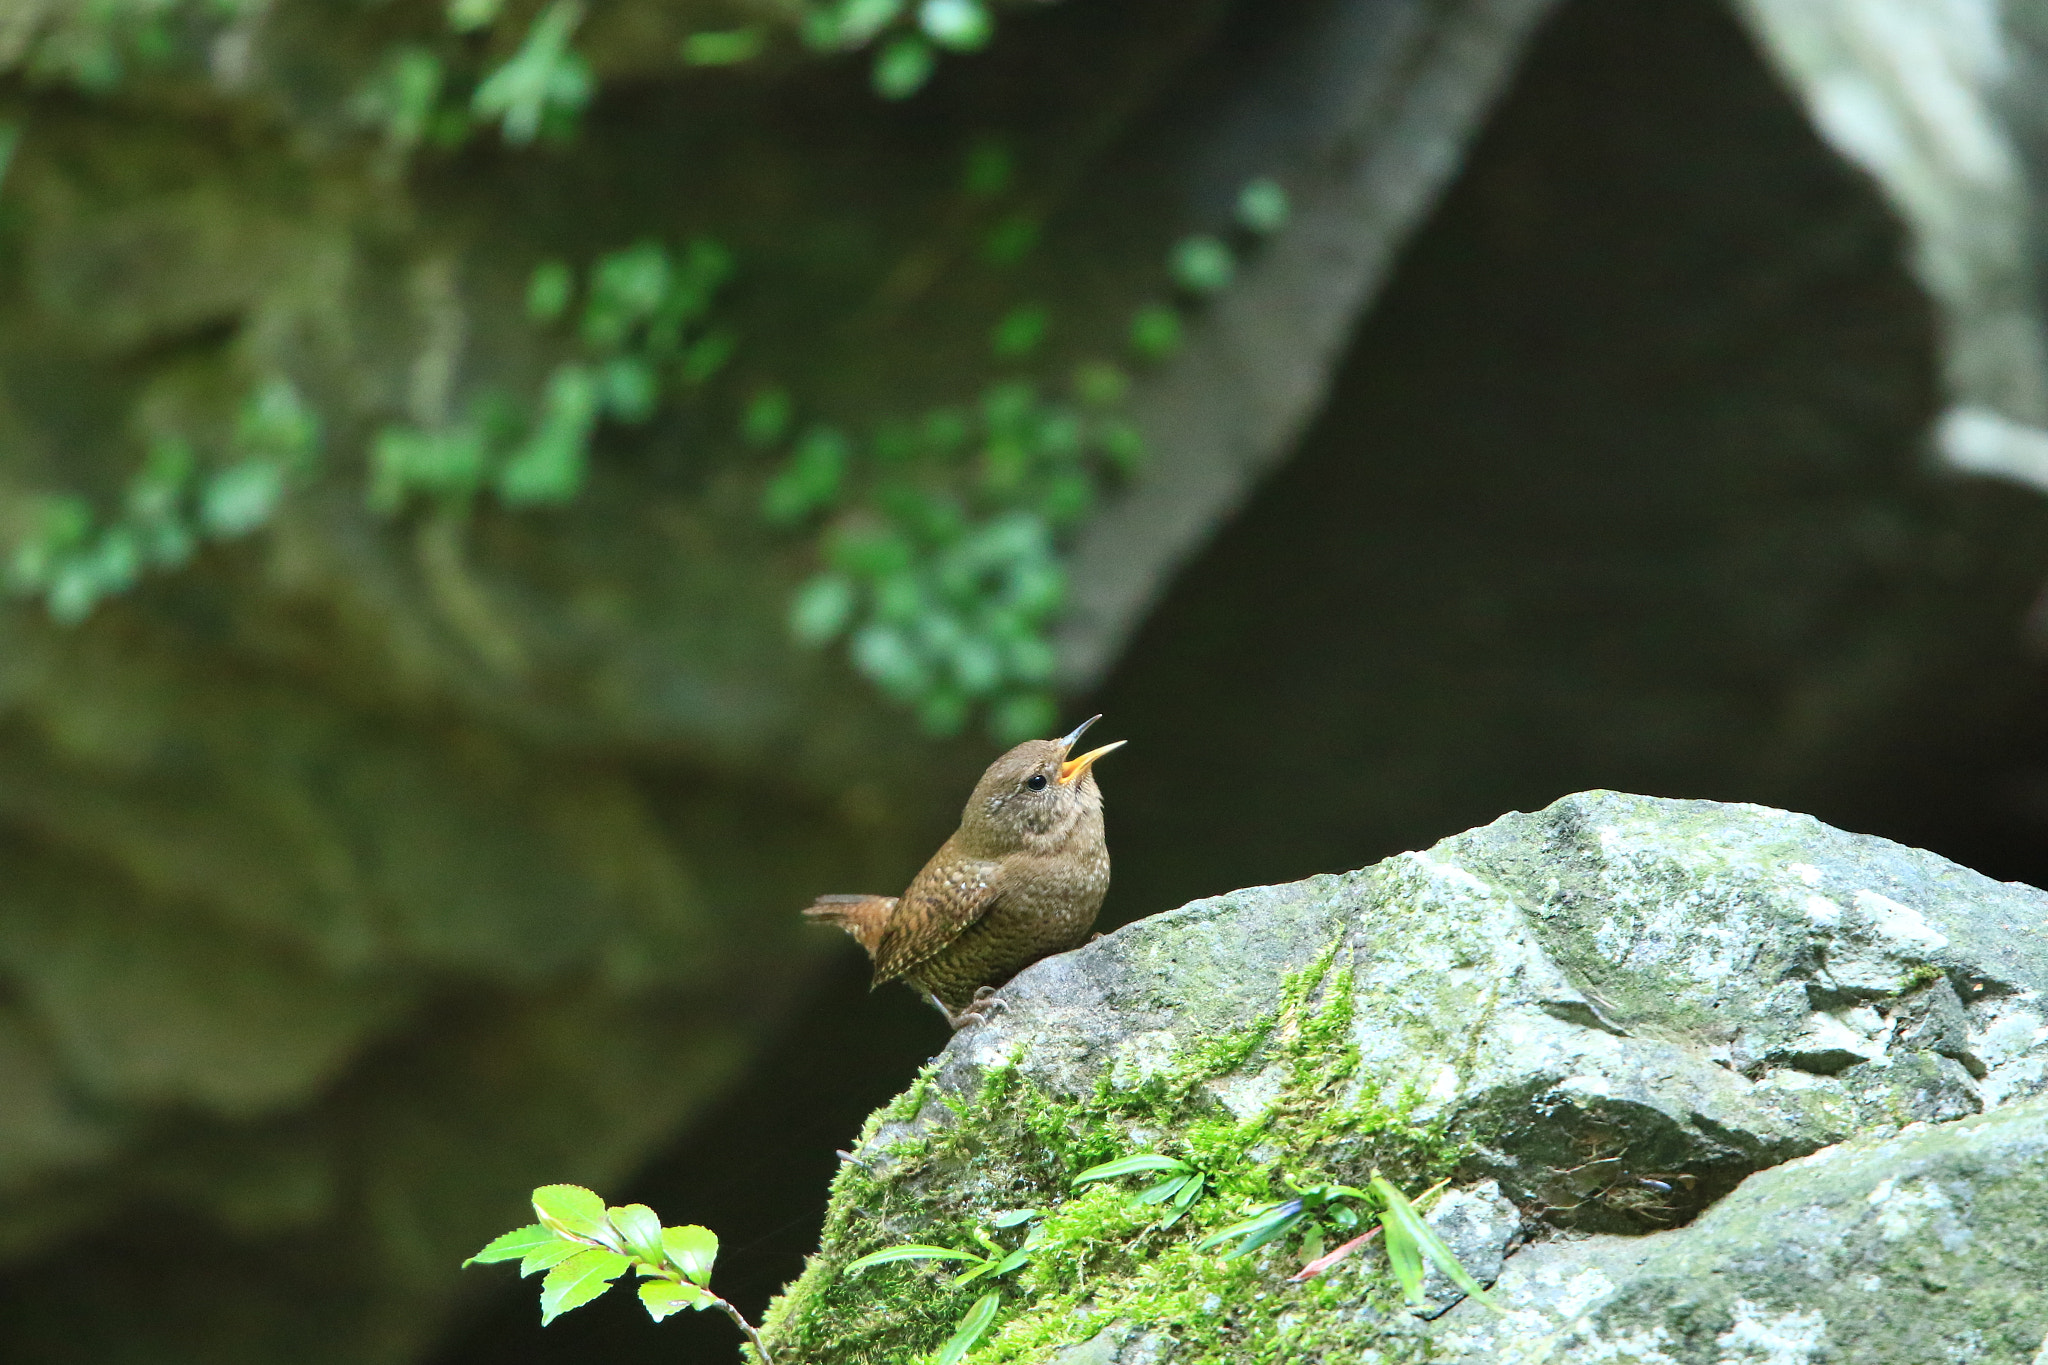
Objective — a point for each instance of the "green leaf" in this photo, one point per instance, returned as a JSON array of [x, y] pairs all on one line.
[[1131, 1165], [910, 1252], [513, 1245], [578, 1280], [573, 1211], [767, 417], [707, 355], [1202, 264], [241, 497], [972, 1325], [551, 465], [550, 1255], [549, 290], [1265, 1225], [1020, 331], [1262, 206], [1403, 1258], [1010, 1218], [1155, 331], [663, 1297], [1163, 1191], [467, 16], [545, 76], [1399, 1213], [821, 609], [639, 1229], [902, 67], [962, 25], [728, 47], [692, 1250]]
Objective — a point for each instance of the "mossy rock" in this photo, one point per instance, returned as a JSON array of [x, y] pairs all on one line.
[[1617, 1010]]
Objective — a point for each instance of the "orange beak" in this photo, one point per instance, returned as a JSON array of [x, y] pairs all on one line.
[[1071, 769]]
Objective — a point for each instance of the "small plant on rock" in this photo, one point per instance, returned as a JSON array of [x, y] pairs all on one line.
[[1412, 1245], [1177, 1191], [993, 1262], [584, 1246]]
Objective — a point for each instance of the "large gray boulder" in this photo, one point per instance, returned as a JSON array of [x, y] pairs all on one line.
[[1617, 1013]]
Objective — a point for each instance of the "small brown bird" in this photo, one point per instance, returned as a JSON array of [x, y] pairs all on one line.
[[1021, 879]]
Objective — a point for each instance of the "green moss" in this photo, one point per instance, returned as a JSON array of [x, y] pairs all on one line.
[[1104, 1261]]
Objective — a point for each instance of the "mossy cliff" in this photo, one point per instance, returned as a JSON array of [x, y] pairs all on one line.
[[1611, 1017]]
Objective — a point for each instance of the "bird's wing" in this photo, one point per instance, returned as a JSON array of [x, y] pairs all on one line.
[[943, 900]]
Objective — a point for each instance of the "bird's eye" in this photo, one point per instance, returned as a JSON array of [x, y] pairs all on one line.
[[1036, 782]]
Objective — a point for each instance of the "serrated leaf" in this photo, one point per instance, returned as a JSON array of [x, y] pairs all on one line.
[[911, 1252], [1131, 1165], [639, 1229], [1425, 1242], [513, 1245], [972, 1325], [578, 1280], [692, 1250], [552, 1254], [663, 1297], [572, 1210]]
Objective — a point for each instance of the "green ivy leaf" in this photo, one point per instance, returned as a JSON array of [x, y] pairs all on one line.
[[573, 1211], [514, 1245], [691, 1250], [578, 1280]]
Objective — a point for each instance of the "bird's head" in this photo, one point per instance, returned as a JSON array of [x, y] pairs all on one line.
[[1034, 796]]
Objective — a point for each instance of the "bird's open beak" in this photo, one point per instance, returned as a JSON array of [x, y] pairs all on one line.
[[1071, 770]]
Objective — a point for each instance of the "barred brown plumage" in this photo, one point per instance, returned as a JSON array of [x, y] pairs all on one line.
[[1021, 879]]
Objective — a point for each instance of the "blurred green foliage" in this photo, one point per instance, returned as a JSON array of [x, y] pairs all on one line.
[[938, 533]]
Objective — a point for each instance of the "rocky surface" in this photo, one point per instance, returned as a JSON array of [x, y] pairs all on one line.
[[1621, 1012]]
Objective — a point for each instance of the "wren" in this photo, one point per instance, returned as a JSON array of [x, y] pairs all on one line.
[[1021, 879]]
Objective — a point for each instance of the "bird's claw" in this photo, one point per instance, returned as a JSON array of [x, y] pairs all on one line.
[[985, 1006]]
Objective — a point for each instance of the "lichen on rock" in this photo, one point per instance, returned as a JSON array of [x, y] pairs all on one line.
[[1614, 1012]]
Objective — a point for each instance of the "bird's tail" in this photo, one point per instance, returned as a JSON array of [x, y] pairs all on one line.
[[865, 917]]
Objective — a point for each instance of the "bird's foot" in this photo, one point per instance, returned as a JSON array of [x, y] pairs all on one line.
[[985, 1006]]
